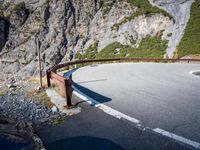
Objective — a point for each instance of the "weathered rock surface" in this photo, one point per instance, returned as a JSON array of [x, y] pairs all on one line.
[[57, 24], [180, 10], [65, 27]]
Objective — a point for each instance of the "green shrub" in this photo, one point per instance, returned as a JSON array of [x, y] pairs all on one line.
[[151, 47], [90, 53], [109, 51]]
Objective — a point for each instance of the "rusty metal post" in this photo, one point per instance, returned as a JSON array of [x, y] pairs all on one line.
[[48, 74], [68, 95]]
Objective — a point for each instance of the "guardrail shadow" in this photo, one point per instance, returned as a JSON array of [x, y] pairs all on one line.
[[91, 95]]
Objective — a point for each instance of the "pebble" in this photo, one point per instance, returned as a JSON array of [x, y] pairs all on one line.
[[54, 109], [19, 106]]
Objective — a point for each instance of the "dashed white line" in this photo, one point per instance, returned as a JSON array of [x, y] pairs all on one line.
[[120, 115], [177, 138]]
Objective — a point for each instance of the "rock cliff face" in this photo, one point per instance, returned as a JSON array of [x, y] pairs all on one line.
[[180, 10], [57, 24], [65, 27]]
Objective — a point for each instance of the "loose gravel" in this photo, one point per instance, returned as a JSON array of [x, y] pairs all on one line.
[[20, 107]]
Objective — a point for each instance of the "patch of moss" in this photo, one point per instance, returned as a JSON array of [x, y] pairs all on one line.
[[190, 43], [143, 8]]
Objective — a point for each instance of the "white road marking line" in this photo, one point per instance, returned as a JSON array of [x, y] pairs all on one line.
[[120, 115], [103, 107], [177, 138], [116, 113]]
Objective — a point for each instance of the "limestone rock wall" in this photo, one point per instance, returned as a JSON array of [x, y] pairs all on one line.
[[64, 27]]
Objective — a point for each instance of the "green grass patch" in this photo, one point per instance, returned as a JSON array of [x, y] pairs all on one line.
[[151, 47], [143, 8], [90, 53], [190, 43]]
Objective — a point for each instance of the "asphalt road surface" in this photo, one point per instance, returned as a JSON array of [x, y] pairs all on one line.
[[164, 96], [93, 129]]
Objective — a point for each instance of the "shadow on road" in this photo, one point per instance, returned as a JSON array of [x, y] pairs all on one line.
[[84, 143], [87, 92], [91, 94]]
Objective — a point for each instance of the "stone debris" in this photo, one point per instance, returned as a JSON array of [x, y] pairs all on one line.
[[18, 106], [54, 109]]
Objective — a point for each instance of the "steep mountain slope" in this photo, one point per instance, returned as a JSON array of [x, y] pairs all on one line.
[[57, 24], [180, 10], [66, 28], [190, 44]]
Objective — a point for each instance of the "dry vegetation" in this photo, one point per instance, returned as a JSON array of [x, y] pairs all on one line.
[[30, 88], [38, 95]]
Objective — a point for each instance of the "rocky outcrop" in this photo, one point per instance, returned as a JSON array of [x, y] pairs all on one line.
[[130, 33], [57, 24], [65, 27]]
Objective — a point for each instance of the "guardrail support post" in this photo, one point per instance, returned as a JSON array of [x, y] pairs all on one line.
[[68, 93], [48, 74]]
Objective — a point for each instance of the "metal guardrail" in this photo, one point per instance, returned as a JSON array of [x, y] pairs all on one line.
[[65, 85]]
